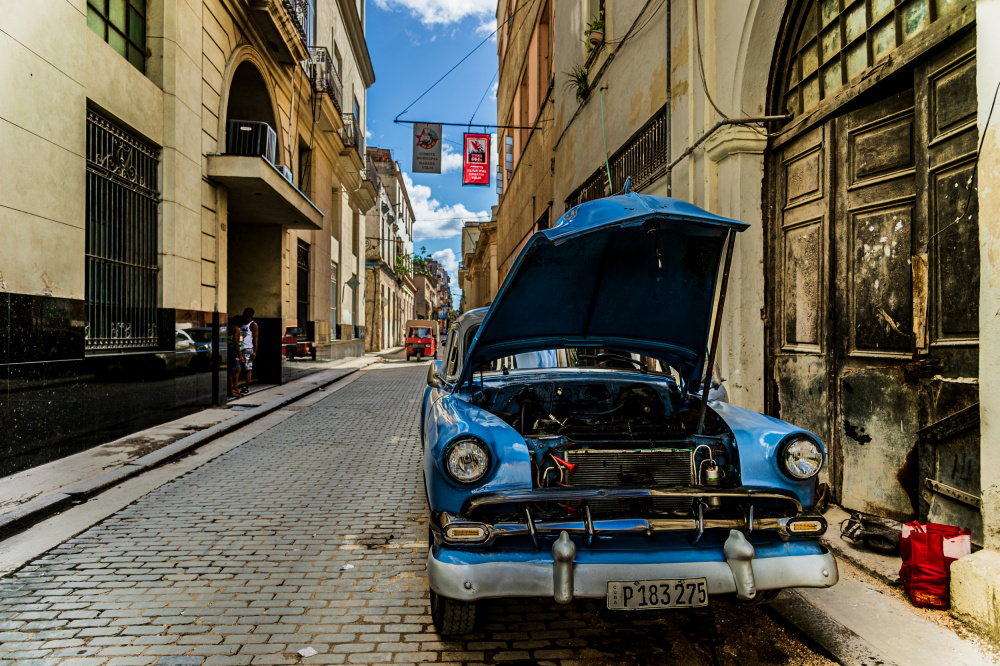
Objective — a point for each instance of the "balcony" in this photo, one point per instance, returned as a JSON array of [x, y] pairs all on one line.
[[373, 249], [324, 76], [260, 194], [299, 12], [283, 25], [351, 135], [371, 172], [368, 192]]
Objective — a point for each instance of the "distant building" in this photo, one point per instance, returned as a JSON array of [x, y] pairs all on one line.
[[390, 290]]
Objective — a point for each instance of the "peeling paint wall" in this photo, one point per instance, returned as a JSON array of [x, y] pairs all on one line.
[[988, 47]]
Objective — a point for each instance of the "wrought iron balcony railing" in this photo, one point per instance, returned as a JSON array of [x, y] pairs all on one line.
[[373, 249], [299, 11], [350, 133], [324, 76], [371, 172], [640, 158]]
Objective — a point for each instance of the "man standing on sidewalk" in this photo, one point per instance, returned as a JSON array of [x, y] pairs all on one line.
[[248, 346]]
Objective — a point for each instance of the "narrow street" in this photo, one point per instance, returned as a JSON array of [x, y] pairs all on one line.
[[313, 535]]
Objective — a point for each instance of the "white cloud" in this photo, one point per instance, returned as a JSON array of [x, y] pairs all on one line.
[[368, 134], [493, 90], [488, 27], [451, 160], [448, 261], [443, 12], [432, 218]]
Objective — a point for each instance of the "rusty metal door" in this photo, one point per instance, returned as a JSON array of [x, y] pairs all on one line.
[[878, 219], [801, 255], [875, 307], [949, 488]]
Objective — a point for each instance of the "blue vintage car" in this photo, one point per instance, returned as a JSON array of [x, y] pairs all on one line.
[[574, 445]]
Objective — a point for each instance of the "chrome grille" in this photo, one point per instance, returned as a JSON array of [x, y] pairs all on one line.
[[659, 467], [630, 467]]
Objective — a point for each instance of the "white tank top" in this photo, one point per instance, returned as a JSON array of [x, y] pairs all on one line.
[[247, 342]]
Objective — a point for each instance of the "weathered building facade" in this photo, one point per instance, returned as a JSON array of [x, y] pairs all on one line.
[[390, 291], [848, 134], [526, 107], [167, 165]]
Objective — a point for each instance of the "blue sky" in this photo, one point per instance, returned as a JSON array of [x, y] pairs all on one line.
[[412, 43]]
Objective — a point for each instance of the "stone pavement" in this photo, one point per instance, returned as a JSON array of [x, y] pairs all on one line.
[[313, 534]]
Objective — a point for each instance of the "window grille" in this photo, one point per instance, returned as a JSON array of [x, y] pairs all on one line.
[[840, 41], [122, 24], [121, 238]]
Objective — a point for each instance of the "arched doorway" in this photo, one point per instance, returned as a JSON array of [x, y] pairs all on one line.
[[872, 290], [254, 250]]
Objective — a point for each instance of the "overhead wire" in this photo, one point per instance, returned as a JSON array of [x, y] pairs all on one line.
[[464, 58]]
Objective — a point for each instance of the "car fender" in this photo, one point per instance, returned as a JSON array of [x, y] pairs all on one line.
[[450, 417], [758, 439]]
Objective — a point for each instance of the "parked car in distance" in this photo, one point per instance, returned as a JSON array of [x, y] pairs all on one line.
[[202, 337], [575, 446], [293, 348], [421, 338]]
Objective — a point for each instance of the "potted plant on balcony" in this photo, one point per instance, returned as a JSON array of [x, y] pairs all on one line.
[[595, 32], [576, 78]]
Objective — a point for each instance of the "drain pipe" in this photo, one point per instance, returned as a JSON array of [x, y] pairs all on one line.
[[670, 109]]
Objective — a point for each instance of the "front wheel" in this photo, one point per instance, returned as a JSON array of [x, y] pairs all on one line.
[[452, 617]]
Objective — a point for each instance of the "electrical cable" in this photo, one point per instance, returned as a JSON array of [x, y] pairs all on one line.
[[607, 164], [484, 95], [701, 64], [466, 57]]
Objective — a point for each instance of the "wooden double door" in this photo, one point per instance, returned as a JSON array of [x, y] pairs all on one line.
[[874, 287]]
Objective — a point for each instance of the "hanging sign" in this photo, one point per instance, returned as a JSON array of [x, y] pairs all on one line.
[[476, 160], [426, 148]]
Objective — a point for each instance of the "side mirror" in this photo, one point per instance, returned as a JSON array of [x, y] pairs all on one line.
[[434, 379]]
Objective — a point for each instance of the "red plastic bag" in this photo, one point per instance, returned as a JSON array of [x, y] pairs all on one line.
[[928, 549]]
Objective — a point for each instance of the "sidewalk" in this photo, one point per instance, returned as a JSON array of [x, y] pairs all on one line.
[[867, 618], [29, 496]]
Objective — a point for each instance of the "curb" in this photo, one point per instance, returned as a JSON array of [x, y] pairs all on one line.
[[40, 508], [843, 644]]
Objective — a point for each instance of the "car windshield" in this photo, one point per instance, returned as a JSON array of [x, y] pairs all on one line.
[[579, 357], [421, 332]]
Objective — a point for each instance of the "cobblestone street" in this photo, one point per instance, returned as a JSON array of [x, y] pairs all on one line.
[[313, 535]]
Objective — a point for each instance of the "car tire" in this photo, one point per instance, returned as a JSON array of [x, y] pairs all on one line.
[[407, 358], [452, 617]]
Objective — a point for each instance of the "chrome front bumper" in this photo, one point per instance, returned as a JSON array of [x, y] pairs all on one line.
[[563, 579]]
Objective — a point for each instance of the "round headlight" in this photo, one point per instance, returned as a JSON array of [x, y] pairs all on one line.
[[467, 460], [801, 458]]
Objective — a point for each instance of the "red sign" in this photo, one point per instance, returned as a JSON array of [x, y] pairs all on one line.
[[476, 159]]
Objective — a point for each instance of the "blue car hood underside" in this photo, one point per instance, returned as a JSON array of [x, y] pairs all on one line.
[[630, 272]]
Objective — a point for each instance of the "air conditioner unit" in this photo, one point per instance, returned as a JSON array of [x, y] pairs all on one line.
[[251, 138], [285, 171]]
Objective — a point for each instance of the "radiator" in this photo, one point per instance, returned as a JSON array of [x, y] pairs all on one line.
[[635, 468]]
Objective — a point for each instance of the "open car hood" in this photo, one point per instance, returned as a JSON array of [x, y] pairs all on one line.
[[628, 272]]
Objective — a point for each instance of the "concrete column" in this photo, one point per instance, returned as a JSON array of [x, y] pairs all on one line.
[[975, 579], [738, 154]]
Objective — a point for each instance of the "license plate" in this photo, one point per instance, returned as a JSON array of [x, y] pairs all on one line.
[[648, 594]]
